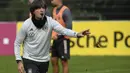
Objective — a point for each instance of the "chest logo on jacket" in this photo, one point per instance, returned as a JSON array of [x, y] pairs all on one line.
[[31, 32], [45, 28]]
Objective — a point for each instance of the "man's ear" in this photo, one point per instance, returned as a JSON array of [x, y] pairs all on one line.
[[33, 13]]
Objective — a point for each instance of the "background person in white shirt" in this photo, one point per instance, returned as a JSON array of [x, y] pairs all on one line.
[[35, 34]]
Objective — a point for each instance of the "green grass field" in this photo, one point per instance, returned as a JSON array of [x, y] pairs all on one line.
[[79, 64]]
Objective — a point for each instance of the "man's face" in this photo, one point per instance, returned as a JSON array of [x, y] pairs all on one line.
[[54, 2], [30, 1], [39, 12]]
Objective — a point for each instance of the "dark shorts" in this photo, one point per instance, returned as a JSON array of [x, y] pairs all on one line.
[[35, 67], [61, 48]]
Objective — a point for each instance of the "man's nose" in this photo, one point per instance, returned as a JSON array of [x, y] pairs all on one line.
[[41, 9]]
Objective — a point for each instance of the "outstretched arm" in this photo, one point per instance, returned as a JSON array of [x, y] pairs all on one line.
[[60, 29]]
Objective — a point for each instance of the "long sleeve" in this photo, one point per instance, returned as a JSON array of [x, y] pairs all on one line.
[[60, 29], [18, 41]]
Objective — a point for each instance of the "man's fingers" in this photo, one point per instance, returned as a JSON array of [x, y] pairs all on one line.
[[83, 33], [21, 70], [86, 32]]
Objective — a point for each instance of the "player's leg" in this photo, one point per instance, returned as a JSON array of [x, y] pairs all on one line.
[[55, 65], [43, 67], [65, 66], [30, 66], [54, 57], [64, 52]]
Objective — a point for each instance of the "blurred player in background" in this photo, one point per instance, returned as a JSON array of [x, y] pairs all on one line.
[[61, 44]]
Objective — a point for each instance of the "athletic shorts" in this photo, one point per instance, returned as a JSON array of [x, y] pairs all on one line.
[[61, 48], [35, 67]]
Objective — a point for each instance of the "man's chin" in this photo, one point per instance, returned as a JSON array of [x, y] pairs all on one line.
[[38, 18]]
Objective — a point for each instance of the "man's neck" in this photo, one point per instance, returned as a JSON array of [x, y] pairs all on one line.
[[59, 5]]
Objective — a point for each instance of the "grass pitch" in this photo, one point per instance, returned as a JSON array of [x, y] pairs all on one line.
[[79, 64]]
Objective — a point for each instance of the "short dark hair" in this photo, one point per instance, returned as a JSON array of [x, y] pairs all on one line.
[[37, 4]]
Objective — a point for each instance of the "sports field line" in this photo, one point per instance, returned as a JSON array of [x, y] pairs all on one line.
[[108, 70]]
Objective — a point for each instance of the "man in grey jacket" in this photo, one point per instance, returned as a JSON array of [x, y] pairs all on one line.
[[35, 34]]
